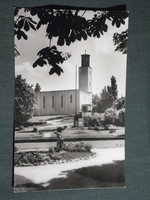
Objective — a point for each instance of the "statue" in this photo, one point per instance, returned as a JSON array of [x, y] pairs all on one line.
[[60, 139]]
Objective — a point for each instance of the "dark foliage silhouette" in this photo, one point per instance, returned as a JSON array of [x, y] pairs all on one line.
[[121, 41], [24, 101], [67, 26]]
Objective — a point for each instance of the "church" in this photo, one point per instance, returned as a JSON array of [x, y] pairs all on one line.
[[64, 102]]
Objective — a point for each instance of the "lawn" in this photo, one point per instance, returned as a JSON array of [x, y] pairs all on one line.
[[70, 133], [48, 124]]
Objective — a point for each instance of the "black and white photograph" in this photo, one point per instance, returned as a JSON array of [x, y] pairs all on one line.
[[70, 94]]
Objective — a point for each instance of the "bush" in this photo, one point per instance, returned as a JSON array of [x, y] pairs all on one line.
[[112, 131], [77, 147], [96, 128], [110, 116], [35, 129], [27, 158], [92, 121], [120, 120], [51, 150]]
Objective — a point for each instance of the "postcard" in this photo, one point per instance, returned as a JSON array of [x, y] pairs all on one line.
[[70, 91]]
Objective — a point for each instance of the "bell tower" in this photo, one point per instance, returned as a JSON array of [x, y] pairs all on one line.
[[85, 74]]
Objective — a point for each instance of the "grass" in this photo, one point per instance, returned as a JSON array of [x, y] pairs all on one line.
[[45, 123], [70, 133]]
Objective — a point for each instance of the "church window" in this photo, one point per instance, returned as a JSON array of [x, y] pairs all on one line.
[[84, 61], [43, 102], [87, 62], [71, 98], [52, 101], [61, 101]]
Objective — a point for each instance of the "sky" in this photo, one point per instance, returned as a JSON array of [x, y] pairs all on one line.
[[105, 62]]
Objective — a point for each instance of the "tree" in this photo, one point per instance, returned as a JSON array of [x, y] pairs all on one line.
[[24, 101], [113, 88], [37, 88], [95, 102], [119, 103], [66, 25], [107, 97], [106, 100], [121, 40]]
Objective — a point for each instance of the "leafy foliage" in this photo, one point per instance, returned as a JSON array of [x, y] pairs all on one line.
[[121, 40], [24, 23], [106, 100], [110, 116], [37, 88], [24, 101], [16, 51], [92, 121], [120, 120], [66, 25], [119, 103], [51, 56], [77, 147], [107, 97], [113, 88]]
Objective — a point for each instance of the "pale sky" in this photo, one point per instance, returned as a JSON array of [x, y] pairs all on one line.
[[104, 61]]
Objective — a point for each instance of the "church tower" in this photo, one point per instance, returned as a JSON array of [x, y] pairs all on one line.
[[85, 74]]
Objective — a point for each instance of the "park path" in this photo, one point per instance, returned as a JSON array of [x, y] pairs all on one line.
[[43, 174]]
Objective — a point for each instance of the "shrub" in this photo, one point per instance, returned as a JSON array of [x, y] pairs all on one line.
[[88, 147], [77, 147], [92, 121], [35, 129], [120, 120], [112, 131], [22, 158], [40, 132], [110, 116], [51, 150], [96, 128]]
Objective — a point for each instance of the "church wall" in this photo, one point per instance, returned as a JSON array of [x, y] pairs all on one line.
[[68, 101], [85, 79], [57, 102], [85, 98]]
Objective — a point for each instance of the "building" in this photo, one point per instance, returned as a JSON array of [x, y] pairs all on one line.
[[68, 101]]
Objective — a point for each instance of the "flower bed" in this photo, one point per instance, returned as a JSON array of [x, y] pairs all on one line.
[[71, 152], [44, 158]]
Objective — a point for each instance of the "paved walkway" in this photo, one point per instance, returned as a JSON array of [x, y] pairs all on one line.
[[43, 174]]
